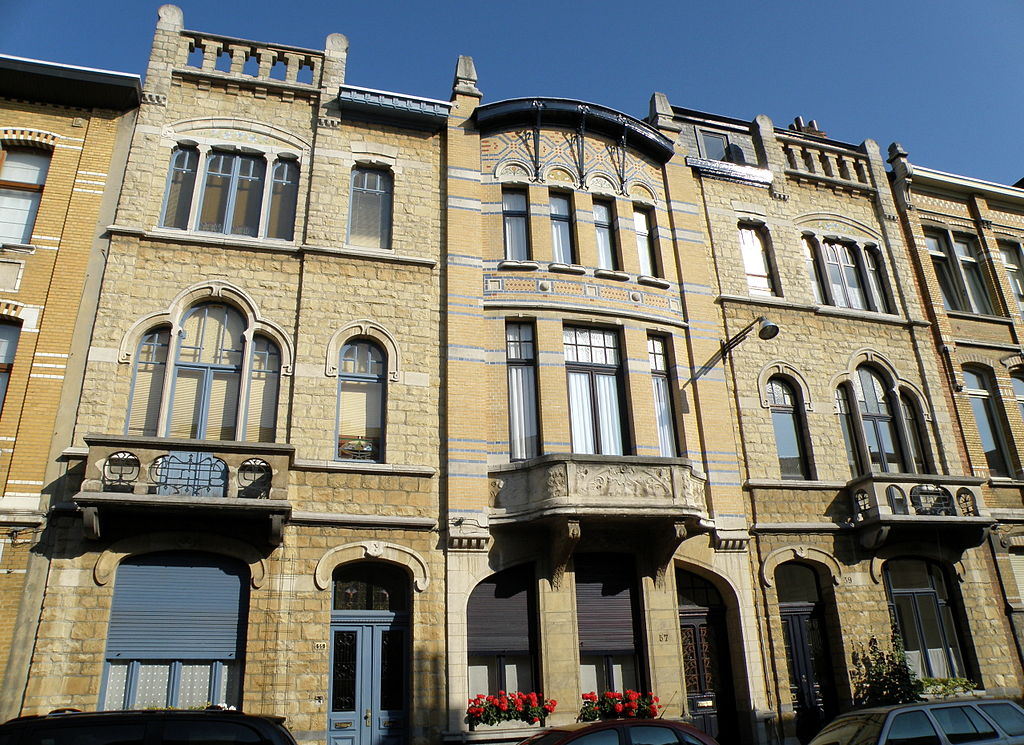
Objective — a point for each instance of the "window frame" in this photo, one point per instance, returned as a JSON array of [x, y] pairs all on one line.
[[186, 187], [957, 291], [1013, 262], [794, 415], [705, 136], [379, 379], [985, 397], [386, 196], [529, 409], [659, 353], [646, 240], [493, 659], [842, 269], [562, 228], [593, 371], [760, 235], [511, 219], [161, 391], [34, 190]]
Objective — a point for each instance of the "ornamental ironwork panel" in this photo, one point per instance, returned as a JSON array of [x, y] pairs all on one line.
[[254, 479], [189, 475], [932, 500], [120, 472], [343, 690]]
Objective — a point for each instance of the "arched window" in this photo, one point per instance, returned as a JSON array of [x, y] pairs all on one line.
[[927, 617], [361, 399], [177, 632], [369, 220], [790, 432], [219, 387], [501, 632], [980, 387], [883, 432]]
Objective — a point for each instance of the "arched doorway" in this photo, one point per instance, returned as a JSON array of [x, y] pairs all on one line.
[[710, 696], [369, 681], [810, 670]]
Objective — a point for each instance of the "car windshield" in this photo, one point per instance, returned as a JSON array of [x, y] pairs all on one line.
[[857, 729]]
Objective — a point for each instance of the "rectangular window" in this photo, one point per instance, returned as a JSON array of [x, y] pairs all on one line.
[[645, 246], [9, 334], [958, 270], [22, 174], [522, 391], [370, 219], [977, 295], [605, 236], [664, 420], [755, 260], [593, 368], [715, 146], [561, 230], [606, 621], [1014, 270], [515, 218]]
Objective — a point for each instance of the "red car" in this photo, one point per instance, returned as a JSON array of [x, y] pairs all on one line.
[[622, 732]]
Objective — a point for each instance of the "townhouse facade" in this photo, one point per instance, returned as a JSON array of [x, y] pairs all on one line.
[[392, 401], [64, 135]]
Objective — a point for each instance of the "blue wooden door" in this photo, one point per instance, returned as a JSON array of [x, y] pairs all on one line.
[[369, 674]]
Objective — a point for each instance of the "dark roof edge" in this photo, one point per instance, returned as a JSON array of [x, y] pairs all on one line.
[[71, 85]]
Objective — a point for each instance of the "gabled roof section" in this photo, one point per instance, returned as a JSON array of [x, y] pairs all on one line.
[[567, 112], [68, 85]]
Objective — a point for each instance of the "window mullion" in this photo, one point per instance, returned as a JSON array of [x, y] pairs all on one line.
[[244, 384], [268, 187]]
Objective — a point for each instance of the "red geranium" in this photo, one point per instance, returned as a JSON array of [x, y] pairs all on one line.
[[613, 704], [508, 707]]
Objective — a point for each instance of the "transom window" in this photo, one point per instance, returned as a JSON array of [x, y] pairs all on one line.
[[234, 196], [593, 369], [22, 175], [979, 387], [369, 222], [846, 275], [362, 368], [371, 586], [220, 387], [958, 270]]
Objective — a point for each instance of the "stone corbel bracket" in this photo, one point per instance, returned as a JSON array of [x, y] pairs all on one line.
[[564, 537], [665, 543]]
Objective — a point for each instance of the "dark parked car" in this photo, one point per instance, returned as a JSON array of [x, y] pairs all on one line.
[[622, 732], [941, 722], [159, 727]]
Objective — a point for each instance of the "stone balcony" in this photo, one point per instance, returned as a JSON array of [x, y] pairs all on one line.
[[185, 481], [597, 488], [890, 507]]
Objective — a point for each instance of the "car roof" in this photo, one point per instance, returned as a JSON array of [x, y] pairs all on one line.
[[577, 726], [933, 703], [63, 714]]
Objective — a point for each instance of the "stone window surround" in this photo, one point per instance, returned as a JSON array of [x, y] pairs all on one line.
[[860, 249]]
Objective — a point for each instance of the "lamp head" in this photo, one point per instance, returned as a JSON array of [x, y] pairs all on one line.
[[767, 330]]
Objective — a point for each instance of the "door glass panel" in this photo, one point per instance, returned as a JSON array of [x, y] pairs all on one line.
[[962, 724], [392, 670], [108, 734], [343, 691], [647, 735], [1007, 716], [912, 728], [603, 737], [199, 732]]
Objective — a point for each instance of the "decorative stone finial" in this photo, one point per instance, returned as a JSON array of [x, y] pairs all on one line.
[[337, 43], [465, 77], [660, 113], [170, 18]]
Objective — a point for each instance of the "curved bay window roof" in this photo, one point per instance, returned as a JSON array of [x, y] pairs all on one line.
[[567, 112]]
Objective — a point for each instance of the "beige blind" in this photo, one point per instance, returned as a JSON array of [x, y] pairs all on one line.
[[223, 407], [187, 392], [145, 408], [359, 409], [261, 418]]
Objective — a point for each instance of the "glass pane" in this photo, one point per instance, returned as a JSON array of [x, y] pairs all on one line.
[[788, 444], [515, 226], [181, 184], [755, 262], [623, 671], [796, 583], [714, 145], [343, 687], [907, 621], [17, 215], [1007, 716], [283, 196], [601, 737], [518, 673], [522, 412], [26, 166], [663, 417], [976, 291], [989, 435], [209, 732], [248, 196], [187, 403], [366, 226], [483, 675], [152, 686], [644, 243], [392, 670], [561, 240], [962, 724], [605, 237], [650, 735], [950, 295], [591, 673], [609, 419], [928, 616], [360, 419], [194, 688], [912, 728], [371, 586], [581, 414], [214, 207], [222, 407], [117, 681]]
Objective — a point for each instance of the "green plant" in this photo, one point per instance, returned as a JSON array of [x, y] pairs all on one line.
[[508, 707], [883, 677], [615, 705], [947, 686]]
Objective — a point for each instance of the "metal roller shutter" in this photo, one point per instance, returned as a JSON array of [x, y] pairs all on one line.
[[604, 602], [500, 611]]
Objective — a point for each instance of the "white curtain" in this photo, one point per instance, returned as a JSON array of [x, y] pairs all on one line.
[[608, 413], [663, 414], [522, 410], [581, 414]]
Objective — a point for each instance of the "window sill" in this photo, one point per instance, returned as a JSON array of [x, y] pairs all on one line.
[[864, 315], [794, 484], [355, 466], [967, 315], [611, 274], [19, 248], [519, 266], [646, 279], [207, 239], [377, 254], [559, 268]]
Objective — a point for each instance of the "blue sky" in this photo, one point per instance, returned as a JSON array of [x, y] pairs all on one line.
[[942, 77]]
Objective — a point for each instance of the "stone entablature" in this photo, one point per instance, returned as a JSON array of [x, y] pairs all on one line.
[[597, 486]]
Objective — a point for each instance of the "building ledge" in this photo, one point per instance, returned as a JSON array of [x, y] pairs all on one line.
[[725, 171], [358, 466]]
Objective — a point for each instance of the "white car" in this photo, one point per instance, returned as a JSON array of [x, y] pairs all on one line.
[[945, 722]]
